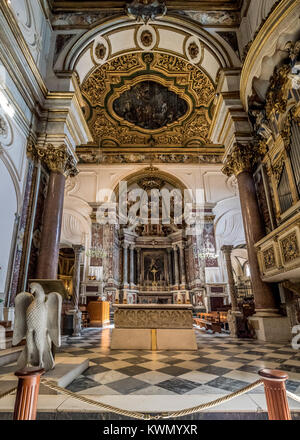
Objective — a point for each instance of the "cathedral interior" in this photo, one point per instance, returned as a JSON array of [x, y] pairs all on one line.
[[150, 161]]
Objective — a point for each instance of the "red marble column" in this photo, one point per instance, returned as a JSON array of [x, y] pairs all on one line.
[[241, 162], [263, 296], [60, 164], [52, 219]]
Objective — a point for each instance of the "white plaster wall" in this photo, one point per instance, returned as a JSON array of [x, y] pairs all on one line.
[[8, 203], [257, 12], [15, 117], [35, 28]]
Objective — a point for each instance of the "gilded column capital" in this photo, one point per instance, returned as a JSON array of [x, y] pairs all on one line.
[[243, 158], [57, 158]]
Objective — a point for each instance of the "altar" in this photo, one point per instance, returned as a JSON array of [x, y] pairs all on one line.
[[153, 327]]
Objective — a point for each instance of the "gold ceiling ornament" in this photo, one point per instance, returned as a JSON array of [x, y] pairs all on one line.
[[57, 158], [243, 158], [108, 82]]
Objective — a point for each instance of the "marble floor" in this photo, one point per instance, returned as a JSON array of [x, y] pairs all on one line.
[[220, 366]]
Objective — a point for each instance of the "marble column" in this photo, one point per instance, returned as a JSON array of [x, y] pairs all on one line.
[[60, 165], [182, 266], [78, 249], [227, 250], [240, 163], [176, 268], [138, 260], [170, 267], [125, 265], [131, 266]]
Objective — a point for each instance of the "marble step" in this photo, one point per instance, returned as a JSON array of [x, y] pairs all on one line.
[[9, 354]]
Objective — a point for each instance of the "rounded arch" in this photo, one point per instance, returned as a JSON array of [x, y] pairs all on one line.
[[131, 178], [217, 49]]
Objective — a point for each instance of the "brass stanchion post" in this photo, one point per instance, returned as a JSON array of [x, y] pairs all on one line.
[[277, 403], [27, 393]]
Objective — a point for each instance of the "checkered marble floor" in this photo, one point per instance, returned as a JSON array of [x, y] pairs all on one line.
[[220, 366]]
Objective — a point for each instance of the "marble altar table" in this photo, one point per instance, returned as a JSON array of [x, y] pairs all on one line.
[[153, 327]]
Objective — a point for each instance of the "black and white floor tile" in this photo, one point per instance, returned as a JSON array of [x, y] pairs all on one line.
[[220, 366]]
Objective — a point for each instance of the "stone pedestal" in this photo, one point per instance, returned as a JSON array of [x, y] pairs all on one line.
[[271, 329], [153, 327]]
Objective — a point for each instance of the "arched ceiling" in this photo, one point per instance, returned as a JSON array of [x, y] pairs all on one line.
[[148, 89]]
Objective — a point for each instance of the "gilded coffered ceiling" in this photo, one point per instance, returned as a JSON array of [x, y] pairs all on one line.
[[147, 100]]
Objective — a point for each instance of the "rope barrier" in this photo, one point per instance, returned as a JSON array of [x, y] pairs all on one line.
[[293, 396], [143, 416], [7, 393]]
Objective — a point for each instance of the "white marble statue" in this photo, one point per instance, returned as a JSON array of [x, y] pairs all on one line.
[[37, 318]]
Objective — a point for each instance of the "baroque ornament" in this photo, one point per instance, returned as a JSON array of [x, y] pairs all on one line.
[[185, 93], [3, 127], [243, 158], [146, 38], [276, 99], [269, 258], [58, 159], [193, 50], [100, 51], [146, 9], [290, 247]]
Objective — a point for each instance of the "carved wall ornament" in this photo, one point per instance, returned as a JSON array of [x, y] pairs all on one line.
[[269, 258], [3, 128], [152, 318], [277, 97], [277, 169], [243, 158], [146, 38], [100, 51], [290, 247], [6, 132], [193, 50]]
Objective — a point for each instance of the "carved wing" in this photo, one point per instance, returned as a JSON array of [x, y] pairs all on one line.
[[22, 301], [54, 304]]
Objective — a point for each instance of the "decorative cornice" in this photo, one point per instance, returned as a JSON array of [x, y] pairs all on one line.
[[243, 158], [57, 158]]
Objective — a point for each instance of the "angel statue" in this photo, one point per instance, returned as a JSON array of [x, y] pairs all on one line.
[[37, 319]]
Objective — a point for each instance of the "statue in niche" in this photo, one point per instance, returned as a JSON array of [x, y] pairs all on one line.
[[37, 319]]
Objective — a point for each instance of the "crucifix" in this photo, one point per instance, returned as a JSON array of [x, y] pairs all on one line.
[[154, 271]]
